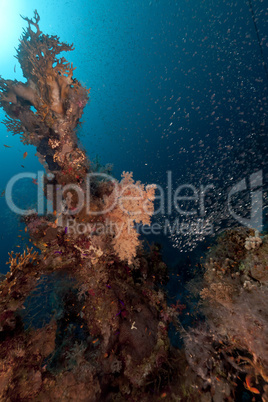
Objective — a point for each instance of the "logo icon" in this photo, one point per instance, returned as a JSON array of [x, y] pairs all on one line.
[[256, 206]]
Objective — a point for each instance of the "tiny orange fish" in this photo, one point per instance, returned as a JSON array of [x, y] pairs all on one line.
[[25, 154], [95, 340], [248, 386]]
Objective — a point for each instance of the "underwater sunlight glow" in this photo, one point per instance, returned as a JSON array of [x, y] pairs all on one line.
[[10, 25]]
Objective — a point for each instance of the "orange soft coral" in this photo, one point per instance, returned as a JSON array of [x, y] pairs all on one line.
[[129, 202]]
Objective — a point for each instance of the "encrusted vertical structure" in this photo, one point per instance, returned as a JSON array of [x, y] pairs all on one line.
[[117, 339]]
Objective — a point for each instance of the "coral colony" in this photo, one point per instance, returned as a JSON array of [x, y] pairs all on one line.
[[104, 333], [118, 339]]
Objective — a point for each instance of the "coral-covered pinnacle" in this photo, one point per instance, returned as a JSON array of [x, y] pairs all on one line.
[[45, 109], [111, 333]]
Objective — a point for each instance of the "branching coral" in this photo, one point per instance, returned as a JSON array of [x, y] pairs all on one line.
[[50, 90], [19, 261], [18, 283]]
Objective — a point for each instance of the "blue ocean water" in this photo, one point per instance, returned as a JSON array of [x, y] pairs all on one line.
[[176, 86]]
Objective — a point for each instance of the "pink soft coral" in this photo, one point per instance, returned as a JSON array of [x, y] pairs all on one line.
[[130, 202]]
